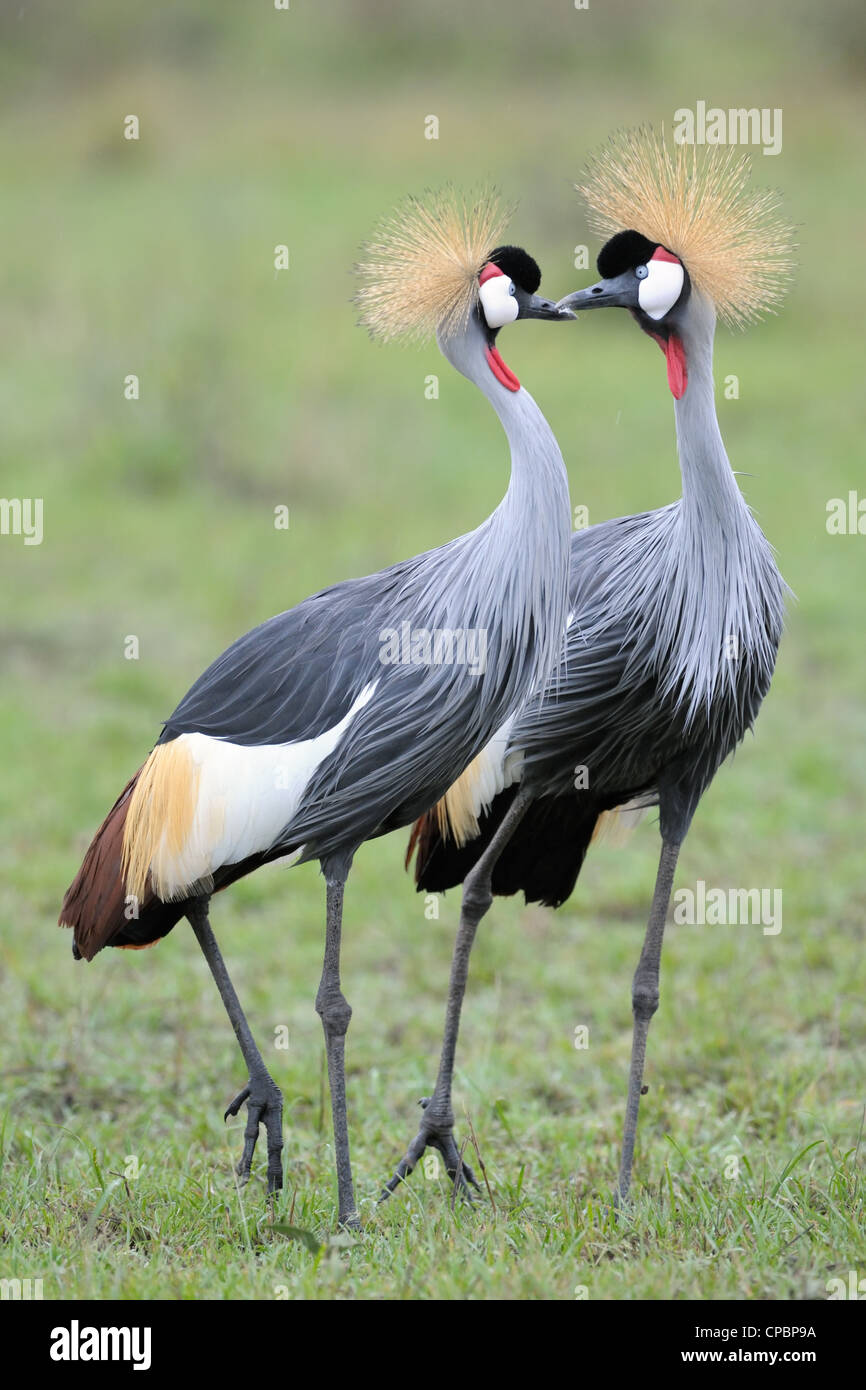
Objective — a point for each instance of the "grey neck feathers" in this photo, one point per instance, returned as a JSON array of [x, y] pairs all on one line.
[[720, 599], [518, 559], [712, 502]]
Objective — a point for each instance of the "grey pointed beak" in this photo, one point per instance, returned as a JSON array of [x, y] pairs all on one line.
[[620, 293], [537, 308]]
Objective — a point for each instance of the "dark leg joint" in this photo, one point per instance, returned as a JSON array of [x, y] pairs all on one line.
[[438, 1114], [477, 896], [644, 1002], [335, 1011]]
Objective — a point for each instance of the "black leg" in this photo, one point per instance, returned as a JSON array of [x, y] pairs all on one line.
[[645, 1001], [335, 1013], [264, 1098], [437, 1123]]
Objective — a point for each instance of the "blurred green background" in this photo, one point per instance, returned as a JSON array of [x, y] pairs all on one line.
[[155, 257]]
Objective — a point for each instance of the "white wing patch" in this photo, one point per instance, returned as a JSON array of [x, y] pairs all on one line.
[[496, 771], [246, 795]]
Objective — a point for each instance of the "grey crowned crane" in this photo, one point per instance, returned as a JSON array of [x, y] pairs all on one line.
[[311, 734], [675, 615]]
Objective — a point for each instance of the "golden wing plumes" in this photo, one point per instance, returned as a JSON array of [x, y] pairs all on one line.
[[419, 274], [732, 239]]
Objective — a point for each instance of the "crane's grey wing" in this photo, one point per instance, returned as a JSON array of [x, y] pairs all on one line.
[[370, 738], [598, 721], [621, 702], [424, 723], [296, 675]]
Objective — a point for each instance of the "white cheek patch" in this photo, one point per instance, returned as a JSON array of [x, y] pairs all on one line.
[[499, 306], [661, 289]]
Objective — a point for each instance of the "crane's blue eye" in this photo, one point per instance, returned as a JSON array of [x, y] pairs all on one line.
[[511, 289], [641, 272]]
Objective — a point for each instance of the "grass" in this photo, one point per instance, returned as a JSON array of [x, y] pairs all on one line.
[[258, 390], [747, 1181]]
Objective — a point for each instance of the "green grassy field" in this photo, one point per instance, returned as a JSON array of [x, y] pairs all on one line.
[[257, 389]]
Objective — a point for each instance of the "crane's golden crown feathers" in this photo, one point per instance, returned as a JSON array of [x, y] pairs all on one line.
[[732, 239], [419, 273]]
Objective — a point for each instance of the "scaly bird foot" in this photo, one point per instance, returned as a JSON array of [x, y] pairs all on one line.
[[435, 1133], [264, 1106]]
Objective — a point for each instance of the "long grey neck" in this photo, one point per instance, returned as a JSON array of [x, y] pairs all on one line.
[[522, 550], [719, 601], [537, 493], [712, 502]]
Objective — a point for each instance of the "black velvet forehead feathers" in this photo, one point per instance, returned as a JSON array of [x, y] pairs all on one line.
[[623, 252], [518, 265]]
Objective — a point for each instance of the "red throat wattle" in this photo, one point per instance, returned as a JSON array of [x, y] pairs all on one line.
[[675, 356], [502, 371]]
